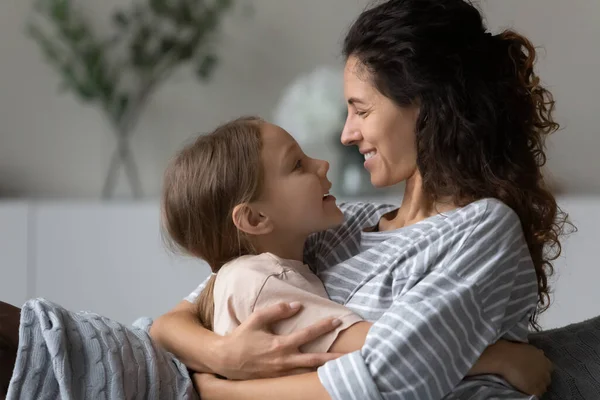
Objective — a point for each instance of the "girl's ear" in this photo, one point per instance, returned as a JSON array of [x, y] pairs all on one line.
[[251, 221]]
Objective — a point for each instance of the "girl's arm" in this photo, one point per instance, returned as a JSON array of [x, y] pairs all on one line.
[[179, 332], [522, 365], [295, 387]]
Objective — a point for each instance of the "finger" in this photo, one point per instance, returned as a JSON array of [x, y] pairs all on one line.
[[267, 316], [310, 360], [312, 332]]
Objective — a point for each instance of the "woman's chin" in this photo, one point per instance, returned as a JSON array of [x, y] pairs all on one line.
[[383, 180], [381, 183]]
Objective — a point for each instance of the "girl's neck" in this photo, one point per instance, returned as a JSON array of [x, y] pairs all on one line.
[[281, 245], [416, 206]]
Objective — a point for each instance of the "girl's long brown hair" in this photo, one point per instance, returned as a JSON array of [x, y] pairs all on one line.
[[484, 114], [202, 185]]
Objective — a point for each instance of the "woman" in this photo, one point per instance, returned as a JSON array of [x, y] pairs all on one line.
[[457, 114]]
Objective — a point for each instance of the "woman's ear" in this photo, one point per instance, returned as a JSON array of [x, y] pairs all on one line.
[[250, 220]]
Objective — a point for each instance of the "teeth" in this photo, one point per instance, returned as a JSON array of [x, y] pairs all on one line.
[[325, 195], [369, 155]]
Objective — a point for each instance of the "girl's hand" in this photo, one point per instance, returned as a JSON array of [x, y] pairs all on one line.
[[523, 366], [253, 351]]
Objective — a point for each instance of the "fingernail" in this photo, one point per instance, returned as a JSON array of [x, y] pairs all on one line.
[[336, 322], [295, 305]]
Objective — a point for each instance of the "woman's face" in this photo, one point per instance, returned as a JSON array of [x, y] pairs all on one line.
[[383, 131]]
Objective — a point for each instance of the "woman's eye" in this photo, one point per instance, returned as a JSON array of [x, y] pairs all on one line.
[[360, 113]]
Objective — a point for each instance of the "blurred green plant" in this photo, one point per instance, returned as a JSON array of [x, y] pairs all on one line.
[[121, 71]]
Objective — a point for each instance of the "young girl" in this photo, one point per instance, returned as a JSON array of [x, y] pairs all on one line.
[[245, 198]]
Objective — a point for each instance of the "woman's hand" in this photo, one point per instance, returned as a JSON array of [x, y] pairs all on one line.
[[253, 351], [522, 365]]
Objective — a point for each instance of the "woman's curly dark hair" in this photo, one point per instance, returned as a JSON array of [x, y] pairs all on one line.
[[484, 115]]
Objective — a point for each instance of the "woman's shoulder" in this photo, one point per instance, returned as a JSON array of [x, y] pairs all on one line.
[[484, 220], [490, 212], [492, 235]]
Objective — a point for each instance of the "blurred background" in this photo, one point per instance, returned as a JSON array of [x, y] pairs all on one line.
[[97, 95]]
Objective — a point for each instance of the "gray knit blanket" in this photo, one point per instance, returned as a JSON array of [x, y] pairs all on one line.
[[76, 356], [575, 352]]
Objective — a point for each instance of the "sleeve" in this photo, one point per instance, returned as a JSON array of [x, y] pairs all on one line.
[[194, 295], [356, 216], [279, 288], [322, 242], [425, 344]]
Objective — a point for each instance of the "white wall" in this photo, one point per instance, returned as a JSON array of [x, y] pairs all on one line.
[[567, 35], [51, 146], [108, 258], [14, 252], [575, 294]]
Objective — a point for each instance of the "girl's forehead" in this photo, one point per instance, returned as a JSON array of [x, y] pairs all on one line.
[[276, 137], [279, 150]]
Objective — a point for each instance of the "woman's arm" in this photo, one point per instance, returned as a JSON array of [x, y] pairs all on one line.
[[522, 365], [179, 332], [250, 351]]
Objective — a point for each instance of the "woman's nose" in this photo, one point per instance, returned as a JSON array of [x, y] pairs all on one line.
[[350, 133]]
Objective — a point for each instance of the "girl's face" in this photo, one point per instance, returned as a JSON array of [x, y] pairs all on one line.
[[295, 188], [383, 131]]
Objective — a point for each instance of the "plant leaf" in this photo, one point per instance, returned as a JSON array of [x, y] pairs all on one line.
[[121, 19], [222, 5], [158, 6], [60, 10], [206, 66]]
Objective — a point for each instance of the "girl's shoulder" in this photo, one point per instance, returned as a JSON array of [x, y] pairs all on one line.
[[264, 264]]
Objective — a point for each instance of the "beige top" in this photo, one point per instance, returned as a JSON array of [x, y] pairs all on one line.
[[250, 283]]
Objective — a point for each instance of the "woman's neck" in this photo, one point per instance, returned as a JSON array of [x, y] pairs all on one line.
[[416, 206]]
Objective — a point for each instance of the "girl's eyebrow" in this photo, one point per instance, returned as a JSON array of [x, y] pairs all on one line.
[[289, 149]]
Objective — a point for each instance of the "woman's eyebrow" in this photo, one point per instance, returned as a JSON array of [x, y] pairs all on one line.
[[354, 100]]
